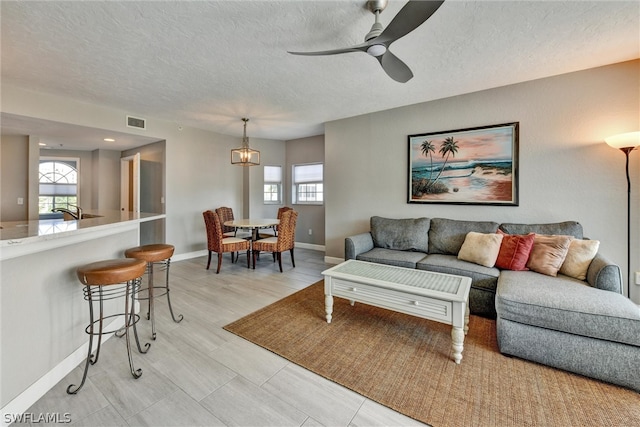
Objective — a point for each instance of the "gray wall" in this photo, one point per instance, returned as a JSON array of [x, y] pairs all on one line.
[[14, 153], [311, 217], [105, 173], [152, 189], [272, 153], [567, 172]]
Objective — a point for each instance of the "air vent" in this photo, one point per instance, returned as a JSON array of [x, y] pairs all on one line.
[[135, 122]]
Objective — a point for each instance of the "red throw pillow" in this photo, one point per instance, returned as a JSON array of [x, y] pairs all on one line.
[[514, 251]]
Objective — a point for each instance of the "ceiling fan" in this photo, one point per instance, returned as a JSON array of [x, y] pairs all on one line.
[[378, 39]]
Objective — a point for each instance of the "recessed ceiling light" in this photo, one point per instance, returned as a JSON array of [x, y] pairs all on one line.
[[110, 140]]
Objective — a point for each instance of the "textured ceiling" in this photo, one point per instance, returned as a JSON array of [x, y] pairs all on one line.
[[207, 64]]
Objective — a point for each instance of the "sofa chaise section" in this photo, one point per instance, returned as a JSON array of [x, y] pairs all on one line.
[[569, 324]]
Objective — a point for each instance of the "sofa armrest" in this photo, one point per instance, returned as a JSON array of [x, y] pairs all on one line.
[[358, 244], [604, 274]]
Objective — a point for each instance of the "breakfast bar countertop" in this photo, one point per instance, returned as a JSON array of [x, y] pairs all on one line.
[[25, 233]]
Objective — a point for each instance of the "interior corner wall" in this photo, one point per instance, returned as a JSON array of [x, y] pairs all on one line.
[[566, 171], [14, 155], [152, 189], [272, 153], [311, 217]]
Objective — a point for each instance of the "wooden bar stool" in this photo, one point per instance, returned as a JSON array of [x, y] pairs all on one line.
[[107, 280], [161, 254]]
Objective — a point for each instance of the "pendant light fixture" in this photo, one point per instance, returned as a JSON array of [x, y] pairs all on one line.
[[245, 155]]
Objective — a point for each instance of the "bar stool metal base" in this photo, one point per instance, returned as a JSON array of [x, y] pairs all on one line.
[[155, 254], [101, 292]]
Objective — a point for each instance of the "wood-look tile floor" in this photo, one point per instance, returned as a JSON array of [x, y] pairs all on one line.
[[197, 374]]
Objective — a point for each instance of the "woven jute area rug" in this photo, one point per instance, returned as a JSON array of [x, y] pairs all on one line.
[[404, 362]]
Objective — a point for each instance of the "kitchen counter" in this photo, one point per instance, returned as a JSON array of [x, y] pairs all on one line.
[[20, 237], [42, 302]]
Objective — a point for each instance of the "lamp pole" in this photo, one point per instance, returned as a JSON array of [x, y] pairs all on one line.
[[626, 142], [626, 151]]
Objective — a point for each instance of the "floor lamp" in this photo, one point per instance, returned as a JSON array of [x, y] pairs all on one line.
[[626, 142]]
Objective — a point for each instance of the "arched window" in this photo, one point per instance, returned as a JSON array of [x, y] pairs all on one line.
[[58, 180]]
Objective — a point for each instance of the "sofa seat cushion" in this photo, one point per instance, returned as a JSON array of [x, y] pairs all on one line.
[[481, 277], [568, 305], [407, 259]]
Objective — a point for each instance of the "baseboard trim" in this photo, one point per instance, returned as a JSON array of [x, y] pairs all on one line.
[[204, 252], [333, 260], [189, 255], [310, 246], [35, 391]]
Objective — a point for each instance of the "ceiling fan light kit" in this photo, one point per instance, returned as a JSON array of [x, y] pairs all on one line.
[[379, 39], [376, 50]]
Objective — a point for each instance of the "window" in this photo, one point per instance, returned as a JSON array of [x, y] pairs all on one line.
[[307, 184], [58, 179], [272, 185]]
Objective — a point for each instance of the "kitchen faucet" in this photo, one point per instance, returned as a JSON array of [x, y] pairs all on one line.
[[76, 215]]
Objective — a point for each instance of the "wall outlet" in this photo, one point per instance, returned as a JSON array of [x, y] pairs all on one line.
[[637, 277], [310, 232], [20, 201]]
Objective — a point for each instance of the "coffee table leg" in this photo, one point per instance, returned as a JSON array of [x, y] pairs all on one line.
[[457, 339], [466, 320], [328, 306]]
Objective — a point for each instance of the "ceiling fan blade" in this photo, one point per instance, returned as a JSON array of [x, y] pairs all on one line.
[[410, 17], [357, 48], [395, 68]]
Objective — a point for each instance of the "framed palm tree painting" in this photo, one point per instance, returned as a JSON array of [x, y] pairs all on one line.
[[476, 166]]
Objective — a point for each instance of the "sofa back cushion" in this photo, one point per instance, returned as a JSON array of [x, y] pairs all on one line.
[[410, 234], [446, 236], [567, 228]]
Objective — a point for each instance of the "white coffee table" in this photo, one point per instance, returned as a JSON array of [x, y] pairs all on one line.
[[435, 296]]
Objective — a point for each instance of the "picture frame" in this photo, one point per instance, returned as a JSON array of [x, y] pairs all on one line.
[[472, 166]]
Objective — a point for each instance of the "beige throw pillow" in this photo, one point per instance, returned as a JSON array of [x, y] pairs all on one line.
[[480, 248], [580, 255], [548, 253]]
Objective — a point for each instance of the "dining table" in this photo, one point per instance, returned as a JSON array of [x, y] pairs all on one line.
[[253, 224]]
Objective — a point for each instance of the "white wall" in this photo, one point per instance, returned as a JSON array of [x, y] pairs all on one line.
[[566, 171]]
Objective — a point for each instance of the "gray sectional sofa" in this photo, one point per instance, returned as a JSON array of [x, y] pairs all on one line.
[[584, 326]]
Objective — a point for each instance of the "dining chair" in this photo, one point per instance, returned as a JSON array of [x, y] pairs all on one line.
[[285, 240], [217, 242], [274, 229], [226, 214]]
